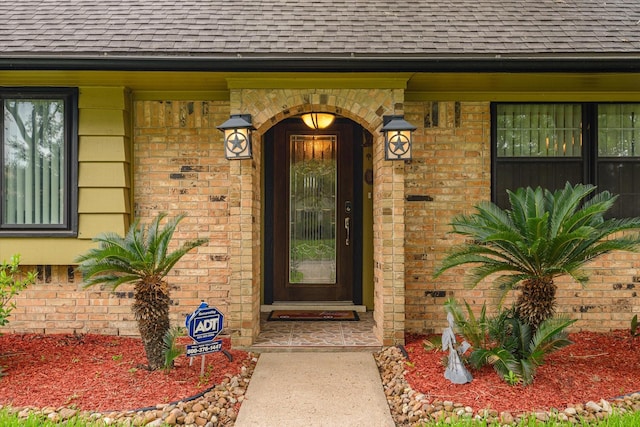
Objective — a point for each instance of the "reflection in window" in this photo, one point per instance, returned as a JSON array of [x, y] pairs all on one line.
[[539, 130], [618, 130], [544, 145], [36, 161]]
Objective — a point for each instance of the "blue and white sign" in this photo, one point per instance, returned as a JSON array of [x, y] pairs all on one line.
[[204, 324], [204, 348]]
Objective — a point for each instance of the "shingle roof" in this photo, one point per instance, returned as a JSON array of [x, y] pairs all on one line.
[[319, 27]]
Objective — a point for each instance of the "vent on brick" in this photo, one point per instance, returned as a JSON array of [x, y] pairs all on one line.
[[44, 273], [431, 115]]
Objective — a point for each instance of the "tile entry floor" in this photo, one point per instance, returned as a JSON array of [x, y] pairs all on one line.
[[317, 336]]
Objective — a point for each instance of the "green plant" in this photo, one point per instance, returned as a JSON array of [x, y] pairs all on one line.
[[432, 343], [509, 344], [141, 257], [12, 282], [542, 236], [171, 348], [204, 378], [474, 329]]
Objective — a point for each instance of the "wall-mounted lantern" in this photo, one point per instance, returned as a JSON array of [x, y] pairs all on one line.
[[237, 136], [318, 120], [397, 137]]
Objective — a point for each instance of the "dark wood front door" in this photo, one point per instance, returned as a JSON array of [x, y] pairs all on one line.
[[312, 213]]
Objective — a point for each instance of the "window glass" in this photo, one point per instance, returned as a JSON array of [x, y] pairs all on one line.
[[34, 161], [618, 130], [542, 145], [539, 130], [37, 152]]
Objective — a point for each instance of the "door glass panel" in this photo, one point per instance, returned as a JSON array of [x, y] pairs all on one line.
[[312, 209]]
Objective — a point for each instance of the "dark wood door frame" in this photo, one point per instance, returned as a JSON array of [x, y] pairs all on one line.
[[276, 181]]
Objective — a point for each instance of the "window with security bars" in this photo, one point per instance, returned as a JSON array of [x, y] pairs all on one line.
[[38, 153], [549, 144]]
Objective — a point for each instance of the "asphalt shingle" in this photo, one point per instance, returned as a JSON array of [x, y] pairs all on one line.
[[328, 27]]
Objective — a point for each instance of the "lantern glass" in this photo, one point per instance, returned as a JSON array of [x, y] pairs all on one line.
[[398, 144], [237, 137], [397, 138], [237, 143]]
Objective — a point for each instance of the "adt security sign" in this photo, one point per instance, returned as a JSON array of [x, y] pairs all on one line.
[[204, 348], [204, 324]]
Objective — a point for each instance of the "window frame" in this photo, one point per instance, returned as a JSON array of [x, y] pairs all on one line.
[[589, 131], [69, 225]]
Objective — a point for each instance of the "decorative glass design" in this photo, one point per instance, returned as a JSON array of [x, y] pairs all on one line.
[[312, 209]]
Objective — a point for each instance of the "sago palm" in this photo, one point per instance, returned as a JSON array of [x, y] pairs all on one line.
[[142, 257], [542, 236], [506, 342], [518, 351]]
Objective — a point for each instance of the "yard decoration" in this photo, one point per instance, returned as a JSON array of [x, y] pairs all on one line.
[[141, 258], [455, 372], [544, 235]]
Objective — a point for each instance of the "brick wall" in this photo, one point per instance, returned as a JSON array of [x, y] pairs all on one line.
[[180, 167], [452, 167], [58, 303]]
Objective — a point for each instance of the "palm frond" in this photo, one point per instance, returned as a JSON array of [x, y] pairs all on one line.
[[503, 362], [472, 329], [527, 371], [564, 205], [140, 254], [543, 235], [171, 348], [110, 280], [521, 332], [549, 337], [503, 285], [478, 273]]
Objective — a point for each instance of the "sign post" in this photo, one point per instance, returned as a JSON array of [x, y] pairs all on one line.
[[203, 326]]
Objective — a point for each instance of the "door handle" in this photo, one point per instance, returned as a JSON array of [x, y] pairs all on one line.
[[347, 227]]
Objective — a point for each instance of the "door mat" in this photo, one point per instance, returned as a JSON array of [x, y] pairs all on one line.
[[317, 315]]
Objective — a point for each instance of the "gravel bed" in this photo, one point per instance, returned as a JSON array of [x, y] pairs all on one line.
[[215, 407], [410, 408], [218, 406]]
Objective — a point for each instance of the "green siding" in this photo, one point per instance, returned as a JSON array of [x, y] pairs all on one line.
[[104, 200]]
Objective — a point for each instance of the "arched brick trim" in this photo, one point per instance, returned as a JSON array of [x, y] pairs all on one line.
[[366, 107]]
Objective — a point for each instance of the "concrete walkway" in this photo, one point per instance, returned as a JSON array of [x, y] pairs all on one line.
[[315, 389]]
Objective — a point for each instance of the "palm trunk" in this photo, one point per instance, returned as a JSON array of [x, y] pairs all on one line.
[[151, 310], [537, 301]]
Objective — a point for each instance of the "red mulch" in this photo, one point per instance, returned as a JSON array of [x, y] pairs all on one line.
[[99, 372], [596, 366]]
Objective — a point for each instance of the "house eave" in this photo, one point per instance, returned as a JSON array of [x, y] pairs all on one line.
[[579, 63]]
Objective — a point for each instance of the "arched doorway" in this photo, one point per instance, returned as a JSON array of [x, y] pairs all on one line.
[[313, 213]]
